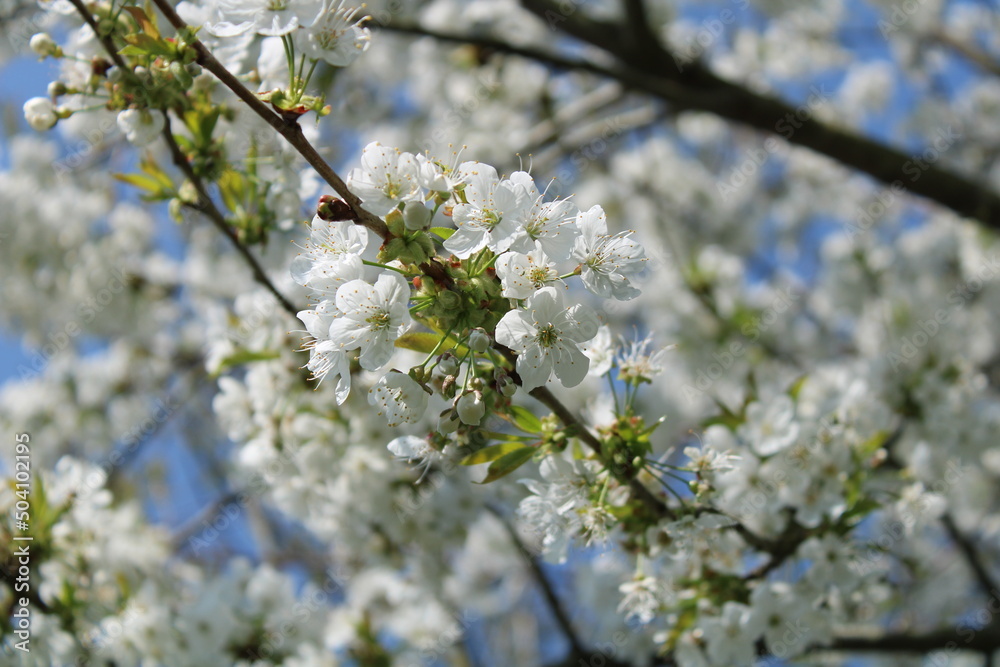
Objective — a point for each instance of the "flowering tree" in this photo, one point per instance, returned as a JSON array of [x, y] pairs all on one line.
[[633, 333]]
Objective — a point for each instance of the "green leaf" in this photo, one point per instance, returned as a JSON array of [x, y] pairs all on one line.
[[150, 45], [422, 341], [232, 187], [508, 463], [132, 50], [147, 25], [796, 387], [150, 168], [491, 453], [149, 184], [241, 357], [525, 420], [444, 232]]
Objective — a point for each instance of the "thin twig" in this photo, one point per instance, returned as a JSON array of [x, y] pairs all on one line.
[[972, 558], [206, 206], [288, 128], [558, 611], [105, 40]]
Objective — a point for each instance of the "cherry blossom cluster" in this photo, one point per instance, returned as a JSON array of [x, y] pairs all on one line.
[[495, 283]]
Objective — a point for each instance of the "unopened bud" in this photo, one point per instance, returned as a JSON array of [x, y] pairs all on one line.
[[479, 340], [448, 363], [332, 209], [416, 216], [57, 89], [471, 408], [43, 45], [505, 385], [448, 300], [449, 421], [448, 386]]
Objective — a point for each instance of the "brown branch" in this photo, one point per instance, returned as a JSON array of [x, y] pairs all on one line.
[[289, 129], [204, 204], [639, 490], [961, 638], [978, 57], [105, 40], [691, 86], [630, 79], [548, 592], [971, 556]]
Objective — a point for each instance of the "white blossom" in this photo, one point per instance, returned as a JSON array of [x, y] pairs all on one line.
[[325, 356], [386, 178], [770, 427], [141, 126], [547, 337], [550, 225], [730, 636], [332, 257], [523, 275], [265, 17], [336, 36], [608, 263], [491, 213], [40, 114], [398, 396], [372, 317]]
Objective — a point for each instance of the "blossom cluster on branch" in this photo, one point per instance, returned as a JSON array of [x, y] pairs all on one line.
[[810, 465]]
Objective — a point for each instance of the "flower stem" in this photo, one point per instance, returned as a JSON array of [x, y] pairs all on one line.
[[437, 347], [384, 266]]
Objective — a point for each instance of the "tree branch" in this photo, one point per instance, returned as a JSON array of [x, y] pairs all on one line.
[[973, 54], [555, 605], [206, 206], [962, 638], [639, 490], [972, 559], [691, 86], [106, 42], [289, 129]]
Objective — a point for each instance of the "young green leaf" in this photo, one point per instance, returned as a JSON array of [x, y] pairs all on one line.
[[508, 463]]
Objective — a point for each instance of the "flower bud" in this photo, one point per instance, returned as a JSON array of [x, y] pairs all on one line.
[[448, 363], [40, 114], [43, 45], [416, 216], [471, 408], [505, 385], [181, 74], [332, 209], [448, 422], [57, 89], [143, 75], [448, 300], [479, 340], [105, 27], [115, 75], [448, 386]]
